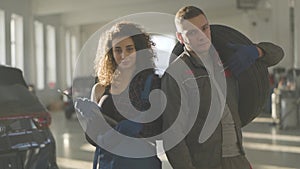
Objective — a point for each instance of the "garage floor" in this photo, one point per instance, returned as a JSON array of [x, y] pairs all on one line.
[[266, 147]]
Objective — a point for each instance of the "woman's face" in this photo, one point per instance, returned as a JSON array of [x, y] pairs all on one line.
[[124, 52]]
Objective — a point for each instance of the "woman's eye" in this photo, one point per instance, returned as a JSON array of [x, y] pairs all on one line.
[[129, 49], [118, 51]]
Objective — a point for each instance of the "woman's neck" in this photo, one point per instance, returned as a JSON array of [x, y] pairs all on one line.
[[127, 73], [122, 81]]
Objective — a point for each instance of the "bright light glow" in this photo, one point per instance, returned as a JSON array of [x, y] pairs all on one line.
[[271, 137], [17, 41], [66, 144], [68, 58], [263, 120], [87, 147], [272, 147], [51, 56], [270, 167], [74, 51], [73, 164]]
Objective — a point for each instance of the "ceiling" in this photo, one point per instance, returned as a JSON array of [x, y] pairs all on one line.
[[84, 12]]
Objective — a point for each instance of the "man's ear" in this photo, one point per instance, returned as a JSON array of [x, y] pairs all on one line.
[[179, 37]]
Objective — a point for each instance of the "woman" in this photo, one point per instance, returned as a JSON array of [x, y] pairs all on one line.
[[123, 65]]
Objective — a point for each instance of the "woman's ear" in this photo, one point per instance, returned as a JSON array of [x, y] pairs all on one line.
[[179, 37]]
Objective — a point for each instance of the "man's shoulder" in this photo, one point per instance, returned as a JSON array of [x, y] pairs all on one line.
[[179, 68], [180, 58], [179, 62]]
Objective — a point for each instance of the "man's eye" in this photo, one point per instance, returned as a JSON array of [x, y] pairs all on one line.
[[205, 28], [192, 32]]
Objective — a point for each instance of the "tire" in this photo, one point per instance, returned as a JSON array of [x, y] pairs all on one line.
[[253, 82]]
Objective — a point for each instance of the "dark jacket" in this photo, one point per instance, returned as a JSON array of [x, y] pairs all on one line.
[[182, 96]]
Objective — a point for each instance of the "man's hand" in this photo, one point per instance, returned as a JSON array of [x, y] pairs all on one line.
[[129, 128], [243, 57]]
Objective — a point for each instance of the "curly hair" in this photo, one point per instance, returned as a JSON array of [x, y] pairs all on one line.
[[105, 64]]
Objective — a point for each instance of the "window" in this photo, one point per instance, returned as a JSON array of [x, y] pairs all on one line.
[[71, 55], [17, 41], [68, 58], [51, 57], [39, 54], [2, 38], [74, 51], [163, 47], [247, 4]]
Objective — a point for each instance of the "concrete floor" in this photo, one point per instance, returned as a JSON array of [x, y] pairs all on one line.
[[266, 146]]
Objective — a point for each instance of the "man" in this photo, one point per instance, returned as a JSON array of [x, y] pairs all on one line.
[[197, 65]]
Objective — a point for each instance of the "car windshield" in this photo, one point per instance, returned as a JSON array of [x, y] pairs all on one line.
[[17, 99], [11, 76]]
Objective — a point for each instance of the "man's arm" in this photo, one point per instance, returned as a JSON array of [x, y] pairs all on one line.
[[271, 54], [246, 55], [178, 156]]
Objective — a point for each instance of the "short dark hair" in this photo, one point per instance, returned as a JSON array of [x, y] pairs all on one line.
[[187, 12]]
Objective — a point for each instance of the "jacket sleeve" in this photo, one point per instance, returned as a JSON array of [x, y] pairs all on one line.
[[178, 156], [273, 54]]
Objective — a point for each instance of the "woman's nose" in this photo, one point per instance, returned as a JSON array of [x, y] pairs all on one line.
[[124, 54]]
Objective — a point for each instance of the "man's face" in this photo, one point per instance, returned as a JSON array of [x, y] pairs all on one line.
[[195, 34]]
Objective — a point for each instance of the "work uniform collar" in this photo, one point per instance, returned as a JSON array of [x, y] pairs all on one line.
[[212, 60], [194, 58]]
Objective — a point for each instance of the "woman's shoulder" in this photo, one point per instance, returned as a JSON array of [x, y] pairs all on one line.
[[98, 87], [97, 92]]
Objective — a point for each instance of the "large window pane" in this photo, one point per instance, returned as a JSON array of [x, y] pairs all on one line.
[[39, 54], [74, 51], [68, 58], [17, 41], [163, 48], [51, 57], [2, 38]]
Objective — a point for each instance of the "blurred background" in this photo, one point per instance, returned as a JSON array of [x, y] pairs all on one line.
[[44, 38]]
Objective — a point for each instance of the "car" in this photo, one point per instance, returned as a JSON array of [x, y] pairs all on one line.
[[82, 87], [26, 141], [68, 105]]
